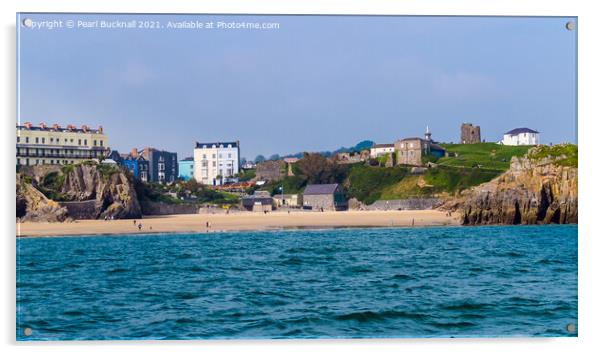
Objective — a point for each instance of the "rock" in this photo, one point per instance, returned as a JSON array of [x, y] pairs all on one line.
[[32, 205], [532, 191], [86, 191]]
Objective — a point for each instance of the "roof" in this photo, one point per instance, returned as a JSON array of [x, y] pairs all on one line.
[[61, 129], [382, 146], [188, 159], [521, 130], [217, 144], [411, 138], [315, 189], [436, 147]]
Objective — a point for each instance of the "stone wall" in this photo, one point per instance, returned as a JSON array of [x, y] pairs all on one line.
[[317, 202], [404, 204], [159, 208], [470, 134], [81, 210], [270, 170]]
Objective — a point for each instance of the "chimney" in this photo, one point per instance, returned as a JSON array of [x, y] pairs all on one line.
[[134, 153], [56, 127], [85, 128], [100, 129], [27, 125], [70, 127], [42, 125]]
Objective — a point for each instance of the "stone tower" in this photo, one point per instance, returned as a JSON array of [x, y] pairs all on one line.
[[470, 134]]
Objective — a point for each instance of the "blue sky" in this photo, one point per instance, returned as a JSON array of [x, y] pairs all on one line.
[[316, 83]]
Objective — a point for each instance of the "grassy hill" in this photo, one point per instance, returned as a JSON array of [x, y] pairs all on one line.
[[483, 155], [369, 184], [467, 166]]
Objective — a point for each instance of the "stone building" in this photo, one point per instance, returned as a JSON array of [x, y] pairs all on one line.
[[324, 197], [273, 170], [470, 134], [411, 150]]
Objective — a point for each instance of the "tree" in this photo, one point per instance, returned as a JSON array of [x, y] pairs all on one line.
[[243, 160], [259, 158], [319, 169], [275, 157]]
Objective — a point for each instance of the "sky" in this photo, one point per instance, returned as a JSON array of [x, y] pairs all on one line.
[[315, 83]]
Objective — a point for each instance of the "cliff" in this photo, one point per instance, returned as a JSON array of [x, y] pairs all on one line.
[[32, 205], [83, 191], [539, 188]]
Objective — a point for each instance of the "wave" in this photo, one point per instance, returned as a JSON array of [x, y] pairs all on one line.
[[369, 316]]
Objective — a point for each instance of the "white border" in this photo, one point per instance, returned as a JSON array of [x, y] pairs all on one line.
[[590, 24]]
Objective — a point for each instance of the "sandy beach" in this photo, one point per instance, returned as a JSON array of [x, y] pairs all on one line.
[[240, 222]]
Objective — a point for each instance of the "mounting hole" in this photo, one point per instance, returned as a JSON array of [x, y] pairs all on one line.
[[570, 328], [570, 25], [27, 331]]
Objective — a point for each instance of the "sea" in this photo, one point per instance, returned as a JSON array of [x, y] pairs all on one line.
[[486, 281]]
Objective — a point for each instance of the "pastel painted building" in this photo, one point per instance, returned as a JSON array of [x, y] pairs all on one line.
[[186, 168], [216, 163], [56, 145], [521, 136], [381, 149]]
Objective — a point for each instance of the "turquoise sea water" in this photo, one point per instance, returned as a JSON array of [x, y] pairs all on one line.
[[393, 282]]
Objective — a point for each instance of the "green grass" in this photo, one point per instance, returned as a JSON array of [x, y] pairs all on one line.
[[291, 184], [563, 154], [367, 183], [490, 156], [453, 179], [51, 185], [246, 175]]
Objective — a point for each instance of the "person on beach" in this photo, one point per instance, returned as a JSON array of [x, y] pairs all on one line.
[[134, 222], [139, 226]]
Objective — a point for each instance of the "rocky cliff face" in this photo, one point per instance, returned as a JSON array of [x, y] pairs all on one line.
[[32, 205], [537, 189], [84, 191]]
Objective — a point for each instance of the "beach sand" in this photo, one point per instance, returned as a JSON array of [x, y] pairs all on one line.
[[241, 221]]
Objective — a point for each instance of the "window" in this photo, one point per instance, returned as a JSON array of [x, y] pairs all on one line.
[[85, 141], [27, 141], [214, 164], [213, 156], [43, 140], [79, 141], [18, 139], [229, 156], [37, 141], [204, 156], [51, 140], [101, 143], [94, 142]]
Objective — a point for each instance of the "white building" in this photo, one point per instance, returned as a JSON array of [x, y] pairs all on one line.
[[381, 149], [216, 163], [521, 136]]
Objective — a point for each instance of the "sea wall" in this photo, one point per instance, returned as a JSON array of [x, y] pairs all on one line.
[[404, 204], [159, 208]]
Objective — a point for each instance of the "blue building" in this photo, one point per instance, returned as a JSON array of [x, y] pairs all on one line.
[[136, 164], [186, 168]]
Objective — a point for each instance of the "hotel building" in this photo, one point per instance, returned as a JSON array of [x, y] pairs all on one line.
[[216, 163], [56, 145]]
